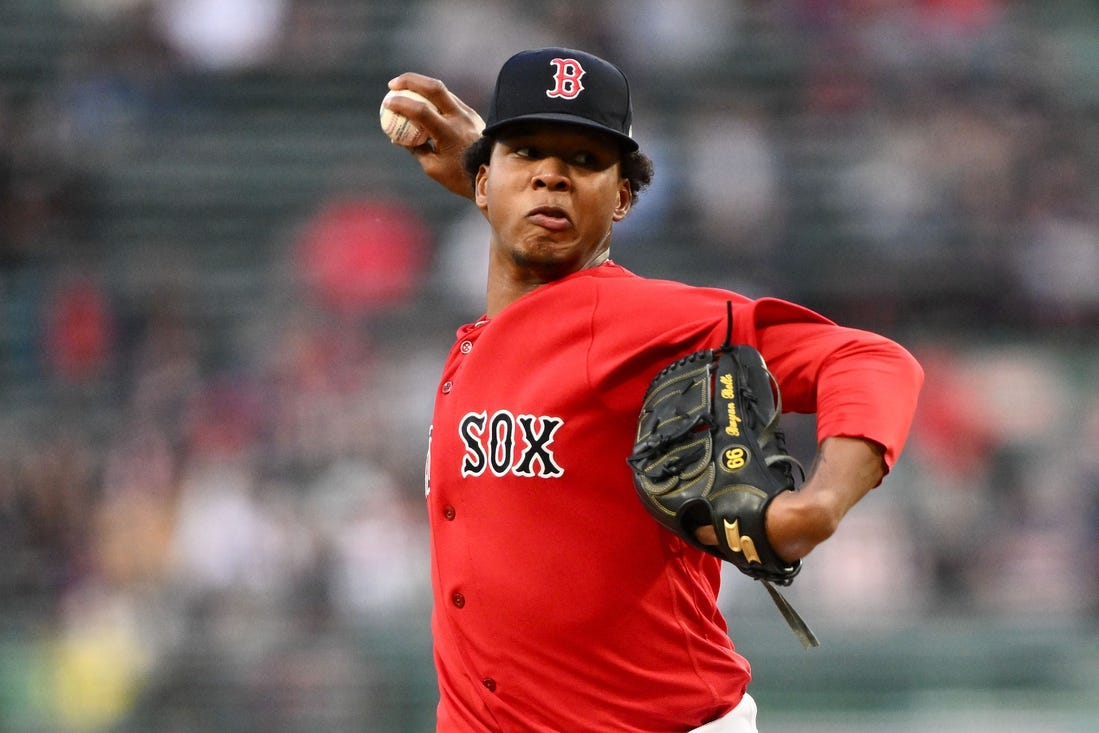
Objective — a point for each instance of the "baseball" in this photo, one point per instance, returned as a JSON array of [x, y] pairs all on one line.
[[399, 128]]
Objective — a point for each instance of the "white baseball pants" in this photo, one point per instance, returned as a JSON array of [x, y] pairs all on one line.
[[741, 719]]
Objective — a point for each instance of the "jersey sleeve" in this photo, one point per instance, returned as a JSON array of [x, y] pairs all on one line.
[[858, 383]]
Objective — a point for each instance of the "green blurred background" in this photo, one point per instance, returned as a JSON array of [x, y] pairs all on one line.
[[225, 299]]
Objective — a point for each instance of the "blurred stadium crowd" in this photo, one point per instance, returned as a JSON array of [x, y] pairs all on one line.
[[225, 298]]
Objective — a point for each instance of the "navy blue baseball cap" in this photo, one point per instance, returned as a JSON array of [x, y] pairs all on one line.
[[563, 85]]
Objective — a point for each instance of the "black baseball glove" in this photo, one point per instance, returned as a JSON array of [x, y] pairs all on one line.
[[709, 453]]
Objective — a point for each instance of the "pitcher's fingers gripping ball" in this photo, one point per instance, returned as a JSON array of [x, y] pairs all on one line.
[[400, 129]]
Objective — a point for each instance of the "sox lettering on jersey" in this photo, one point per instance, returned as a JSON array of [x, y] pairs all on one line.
[[506, 443], [566, 80]]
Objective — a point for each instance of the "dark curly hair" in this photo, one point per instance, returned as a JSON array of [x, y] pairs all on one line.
[[637, 167]]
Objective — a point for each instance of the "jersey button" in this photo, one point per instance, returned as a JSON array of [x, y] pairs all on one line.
[[458, 600], [448, 513], [466, 347], [489, 683], [447, 386]]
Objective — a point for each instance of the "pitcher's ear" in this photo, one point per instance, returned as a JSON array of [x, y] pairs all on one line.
[[480, 184], [625, 200]]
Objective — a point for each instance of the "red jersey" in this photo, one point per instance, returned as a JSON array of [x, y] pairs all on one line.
[[560, 605]]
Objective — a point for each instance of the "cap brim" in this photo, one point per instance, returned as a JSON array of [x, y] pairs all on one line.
[[627, 142]]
